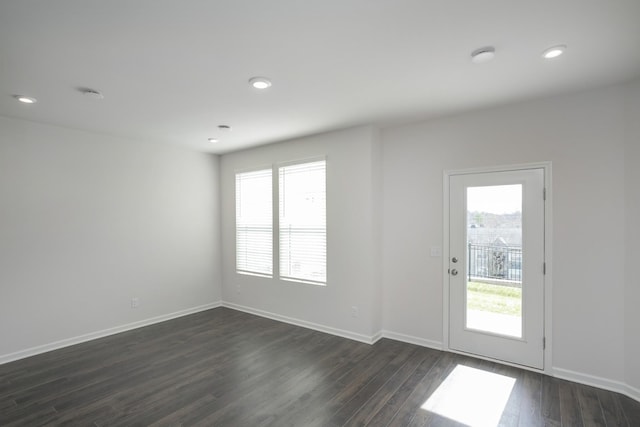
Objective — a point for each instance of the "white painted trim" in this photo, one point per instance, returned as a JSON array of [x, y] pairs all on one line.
[[632, 392], [505, 168], [445, 259], [303, 323], [6, 358], [436, 345], [548, 252], [548, 259], [599, 382], [377, 337]]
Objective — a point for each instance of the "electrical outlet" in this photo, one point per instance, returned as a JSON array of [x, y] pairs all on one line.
[[354, 311], [135, 302]]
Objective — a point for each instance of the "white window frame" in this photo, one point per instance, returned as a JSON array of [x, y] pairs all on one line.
[[275, 229]]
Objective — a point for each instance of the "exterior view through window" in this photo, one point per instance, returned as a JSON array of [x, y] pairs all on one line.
[[494, 245], [303, 222], [300, 229], [254, 223]]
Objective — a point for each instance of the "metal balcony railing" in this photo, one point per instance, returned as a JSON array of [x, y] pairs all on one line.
[[495, 262]]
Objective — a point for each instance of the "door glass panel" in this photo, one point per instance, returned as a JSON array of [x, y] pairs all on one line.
[[494, 259]]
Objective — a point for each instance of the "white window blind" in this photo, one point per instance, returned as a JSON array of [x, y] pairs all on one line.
[[303, 224], [254, 222]]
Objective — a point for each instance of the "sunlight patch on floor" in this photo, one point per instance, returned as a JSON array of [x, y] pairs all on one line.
[[471, 396]]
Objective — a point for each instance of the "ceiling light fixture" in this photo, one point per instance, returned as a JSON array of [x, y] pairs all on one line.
[[482, 55], [224, 127], [260, 82], [213, 140], [25, 99], [554, 51], [91, 93]]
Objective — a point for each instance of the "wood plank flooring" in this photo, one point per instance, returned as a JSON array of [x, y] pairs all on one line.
[[226, 368]]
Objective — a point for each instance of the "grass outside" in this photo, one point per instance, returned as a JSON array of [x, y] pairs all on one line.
[[494, 298]]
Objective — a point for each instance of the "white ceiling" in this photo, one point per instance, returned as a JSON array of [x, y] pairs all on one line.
[[172, 70]]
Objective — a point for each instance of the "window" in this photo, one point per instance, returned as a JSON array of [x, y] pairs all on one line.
[[300, 229], [254, 223], [302, 225]]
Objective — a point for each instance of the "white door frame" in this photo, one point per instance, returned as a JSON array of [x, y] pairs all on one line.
[[546, 166]]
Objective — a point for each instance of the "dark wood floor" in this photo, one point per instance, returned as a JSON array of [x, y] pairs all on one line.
[[226, 368]]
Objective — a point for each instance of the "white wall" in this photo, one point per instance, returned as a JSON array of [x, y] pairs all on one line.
[[89, 221], [632, 191], [583, 136], [352, 253]]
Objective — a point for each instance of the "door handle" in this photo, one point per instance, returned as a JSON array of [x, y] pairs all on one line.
[[454, 272]]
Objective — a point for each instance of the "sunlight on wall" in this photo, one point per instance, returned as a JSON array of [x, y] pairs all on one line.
[[471, 396]]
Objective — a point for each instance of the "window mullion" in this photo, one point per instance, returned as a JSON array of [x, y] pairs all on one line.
[[276, 221]]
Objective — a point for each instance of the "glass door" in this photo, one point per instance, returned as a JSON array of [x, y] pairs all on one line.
[[496, 279]]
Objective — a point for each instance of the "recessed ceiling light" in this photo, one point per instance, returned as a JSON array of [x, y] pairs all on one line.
[[25, 99], [224, 127], [91, 93], [482, 55], [213, 140], [260, 82], [554, 52]]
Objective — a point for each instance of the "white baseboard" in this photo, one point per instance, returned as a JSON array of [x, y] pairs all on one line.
[[377, 337], [595, 381], [632, 392], [6, 358], [436, 345], [310, 325]]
